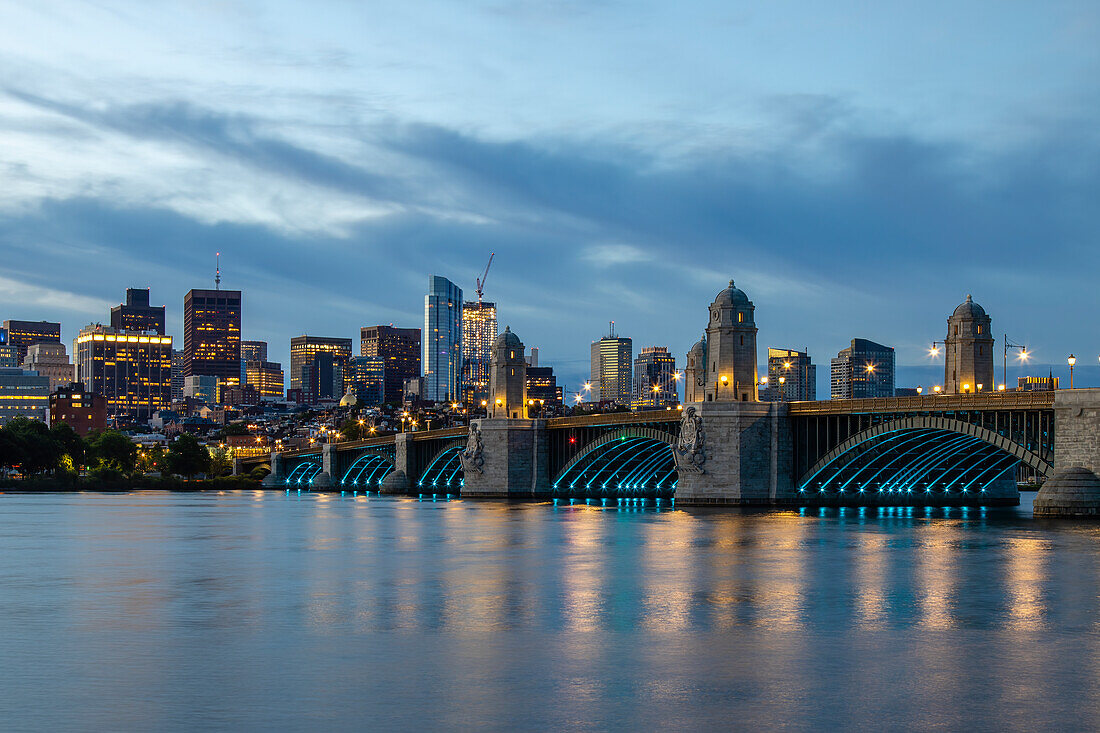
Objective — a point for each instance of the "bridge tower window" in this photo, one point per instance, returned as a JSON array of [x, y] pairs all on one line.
[[740, 317]]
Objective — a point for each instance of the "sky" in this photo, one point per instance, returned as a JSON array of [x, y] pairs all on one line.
[[857, 168]]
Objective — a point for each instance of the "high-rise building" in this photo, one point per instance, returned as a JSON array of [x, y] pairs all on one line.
[[399, 349], [253, 351], [479, 330], [654, 378], [968, 347], [50, 360], [137, 315], [304, 348], [442, 343], [81, 410], [133, 371], [792, 377], [23, 394], [322, 377], [368, 378], [266, 377], [542, 387], [212, 335], [21, 334], [9, 353], [610, 368], [201, 387], [177, 374], [865, 369]]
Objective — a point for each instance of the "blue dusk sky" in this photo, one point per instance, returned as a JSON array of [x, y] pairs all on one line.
[[857, 168]]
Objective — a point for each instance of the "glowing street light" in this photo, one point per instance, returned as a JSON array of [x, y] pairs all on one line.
[[1072, 360]]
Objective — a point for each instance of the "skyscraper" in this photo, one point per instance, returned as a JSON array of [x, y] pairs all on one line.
[[266, 377], [791, 377], [442, 340], [865, 369], [253, 351], [21, 334], [368, 377], [212, 334], [610, 368], [132, 370], [9, 353], [137, 315], [177, 374], [479, 329], [654, 378], [968, 347], [50, 360], [399, 350], [304, 348]]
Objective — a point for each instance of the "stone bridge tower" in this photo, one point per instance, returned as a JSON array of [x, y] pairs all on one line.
[[968, 362], [508, 377], [695, 371], [731, 348]]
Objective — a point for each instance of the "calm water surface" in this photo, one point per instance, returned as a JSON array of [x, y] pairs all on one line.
[[159, 611]]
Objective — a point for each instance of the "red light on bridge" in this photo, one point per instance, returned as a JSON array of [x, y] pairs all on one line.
[[572, 440]]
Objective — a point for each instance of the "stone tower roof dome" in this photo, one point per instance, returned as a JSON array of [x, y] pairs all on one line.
[[508, 340], [733, 296], [969, 309], [700, 347]]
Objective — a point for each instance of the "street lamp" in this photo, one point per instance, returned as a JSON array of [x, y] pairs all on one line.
[[937, 388], [782, 393], [1072, 360], [1022, 357], [724, 381], [920, 389]]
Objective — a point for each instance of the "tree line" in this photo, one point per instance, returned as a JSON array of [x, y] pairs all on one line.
[[33, 449]]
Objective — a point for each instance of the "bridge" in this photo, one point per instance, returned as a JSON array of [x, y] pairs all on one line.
[[937, 450]]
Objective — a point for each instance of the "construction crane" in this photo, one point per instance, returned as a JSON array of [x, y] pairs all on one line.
[[481, 281]]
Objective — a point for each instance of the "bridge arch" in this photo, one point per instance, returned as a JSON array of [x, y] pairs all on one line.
[[444, 470], [923, 453], [368, 470], [303, 473], [627, 462]]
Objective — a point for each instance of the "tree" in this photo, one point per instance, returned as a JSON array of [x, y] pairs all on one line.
[[151, 459], [114, 450], [221, 462], [186, 457], [35, 451], [71, 443]]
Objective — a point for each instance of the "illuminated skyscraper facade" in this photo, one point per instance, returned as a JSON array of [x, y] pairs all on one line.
[[137, 315], [303, 349], [864, 369], [791, 377], [266, 377], [611, 369], [399, 350], [479, 330], [9, 353], [21, 334], [654, 378], [133, 371], [212, 335], [442, 342]]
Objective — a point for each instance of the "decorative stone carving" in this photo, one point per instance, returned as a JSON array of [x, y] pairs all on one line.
[[472, 458], [690, 453]]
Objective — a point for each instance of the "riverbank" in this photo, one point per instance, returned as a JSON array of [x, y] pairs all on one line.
[[71, 482]]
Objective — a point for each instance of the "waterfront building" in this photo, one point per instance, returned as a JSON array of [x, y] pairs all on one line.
[[137, 315], [212, 334], [201, 387], [266, 377], [399, 349], [9, 353], [177, 374], [442, 344], [133, 371], [303, 351], [23, 334], [722, 366], [1036, 384], [508, 377], [367, 377], [50, 360], [23, 394], [865, 369], [792, 377], [654, 379], [542, 386], [610, 374], [479, 330], [968, 350], [78, 408]]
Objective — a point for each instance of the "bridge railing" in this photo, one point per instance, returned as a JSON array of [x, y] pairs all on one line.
[[615, 418], [928, 403]]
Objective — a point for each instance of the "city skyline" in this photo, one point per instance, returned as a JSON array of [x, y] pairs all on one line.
[[856, 199]]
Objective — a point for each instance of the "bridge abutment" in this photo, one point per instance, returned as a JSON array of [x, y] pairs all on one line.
[[277, 477], [514, 463], [1074, 489], [324, 479], [748, 456]]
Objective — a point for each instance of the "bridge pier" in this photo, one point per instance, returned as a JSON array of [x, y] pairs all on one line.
[[398, 481], [515, 463], [748, 456], [1074, 489], [277, 477], [324, 479]]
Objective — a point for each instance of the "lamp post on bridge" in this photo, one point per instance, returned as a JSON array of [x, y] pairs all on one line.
[[1004, 367], [1072, 360]]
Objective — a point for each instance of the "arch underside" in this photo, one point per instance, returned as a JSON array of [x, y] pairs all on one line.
[[367, 471], [303, 474], [445, 470], [915, 460], [634, 464]]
